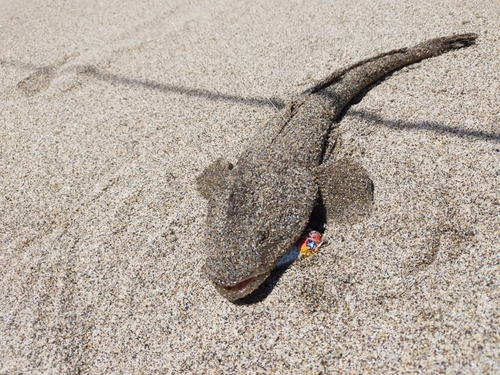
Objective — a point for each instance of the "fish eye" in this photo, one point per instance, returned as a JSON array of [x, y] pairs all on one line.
[[262, 236]]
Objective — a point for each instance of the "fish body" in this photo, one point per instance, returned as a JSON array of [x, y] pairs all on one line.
[[260, 206]]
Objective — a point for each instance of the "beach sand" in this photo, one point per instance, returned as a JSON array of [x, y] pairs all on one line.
[[109, 111]]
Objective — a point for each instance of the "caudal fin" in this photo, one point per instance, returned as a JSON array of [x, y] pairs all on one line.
[[346, 83]]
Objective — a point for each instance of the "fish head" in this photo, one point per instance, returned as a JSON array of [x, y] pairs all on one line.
[[251, 223]]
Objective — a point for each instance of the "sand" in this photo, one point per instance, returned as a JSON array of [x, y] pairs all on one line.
[[109, 111]]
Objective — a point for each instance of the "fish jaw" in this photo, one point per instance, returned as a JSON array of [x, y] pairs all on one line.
[[237, 290]]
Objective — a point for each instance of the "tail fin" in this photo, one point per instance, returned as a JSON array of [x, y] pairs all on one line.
[[347, 83]]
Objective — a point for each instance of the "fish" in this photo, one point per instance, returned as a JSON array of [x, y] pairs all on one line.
[[258, 207]]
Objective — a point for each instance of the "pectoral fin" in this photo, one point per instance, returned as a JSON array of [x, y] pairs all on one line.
[[346, 190], [213, 179]]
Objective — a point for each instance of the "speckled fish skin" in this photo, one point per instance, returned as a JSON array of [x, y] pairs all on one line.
[[259, 207]]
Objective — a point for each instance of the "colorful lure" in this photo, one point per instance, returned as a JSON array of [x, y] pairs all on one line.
[[309, 243], [305, 246]]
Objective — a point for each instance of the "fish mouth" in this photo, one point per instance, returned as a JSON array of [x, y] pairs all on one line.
[[240, 289]]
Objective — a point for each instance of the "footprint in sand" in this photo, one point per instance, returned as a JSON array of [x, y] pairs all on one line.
[[42, 78], [37, 81]]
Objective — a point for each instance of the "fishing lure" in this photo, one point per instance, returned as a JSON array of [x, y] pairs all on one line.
[[308, 244]]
